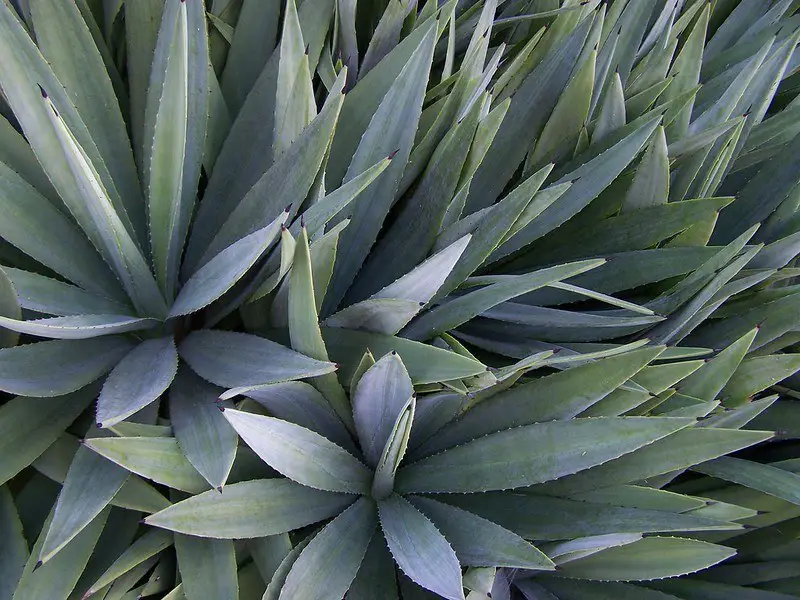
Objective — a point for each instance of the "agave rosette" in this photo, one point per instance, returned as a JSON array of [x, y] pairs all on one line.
[[476, 268]]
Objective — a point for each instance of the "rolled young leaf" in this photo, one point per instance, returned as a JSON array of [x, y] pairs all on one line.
[[382, 393], [175, 127]]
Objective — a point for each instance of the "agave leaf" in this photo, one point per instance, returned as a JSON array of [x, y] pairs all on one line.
[[379, 315], [207, 567], [479, 542], [138, 379], [530, 108], [66, 44], [381, 396], [279, 577], [559, 396], [678, 451], [702, 140], [546, 518], [268, 552], [416, 227], [134, 494], [15, 548], [756, 374], [304, 330], [43, 232], [553, 324], [425, 364], [25, 68], [709, 380], [221, 273], [763, 477], [376, 576], [393, 452], [175, 130], [635, 230], [612, 109], [635, 496], [58, 367], [142, 21], [390, 130], [638, 104], [649, 558], [251, 509], [329, 563], [419, 549], [16, 153], [202, 433], [253, 41], [144, 548], [44, 295], [294, 102], [245, 156], [89, 486], [231, 359], [588, 181], [9, 309], [301, 454], [78, 327], [301, 404], [285, 183], [156, 458], [453, 313], [92, 209], [521, 203], [31, 425], [685, 72], [596, 590], [564, 552], [58, 577], [569, 115], [524, 455], [386, 34], [650, 185]]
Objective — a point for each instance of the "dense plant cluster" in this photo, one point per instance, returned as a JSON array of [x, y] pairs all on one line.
[[383, 299]]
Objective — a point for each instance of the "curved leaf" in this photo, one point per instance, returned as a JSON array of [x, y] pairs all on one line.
[[137, 380], [220, 273], [59, 367], [649, 558], [301, 454], [251, 509], [208, 442], [479, 542], [419, 549], [9, 309], [231, 359], [156, 458], [78, 327]]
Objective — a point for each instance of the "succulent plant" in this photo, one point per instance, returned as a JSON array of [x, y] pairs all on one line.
[[399, 298]]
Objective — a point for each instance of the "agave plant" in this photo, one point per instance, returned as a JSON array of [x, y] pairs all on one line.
[[565, 229]]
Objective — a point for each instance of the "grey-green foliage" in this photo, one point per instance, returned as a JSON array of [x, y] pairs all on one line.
[[449, 270]]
